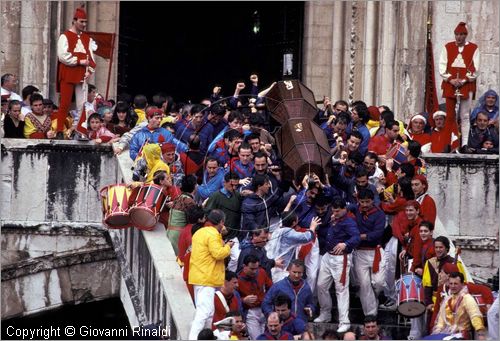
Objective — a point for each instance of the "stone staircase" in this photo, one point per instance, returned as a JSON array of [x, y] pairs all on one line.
[[391, 324]]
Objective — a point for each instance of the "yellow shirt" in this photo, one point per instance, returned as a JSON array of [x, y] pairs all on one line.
[[29, 127], [464, 316]]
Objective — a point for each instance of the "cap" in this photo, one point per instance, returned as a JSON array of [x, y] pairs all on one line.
[[80, 14], [461, 28], [438, 113], [419, 116], [152, 112], [167, 147]]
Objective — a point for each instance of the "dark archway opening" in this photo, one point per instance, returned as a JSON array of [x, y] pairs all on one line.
[[185, 48]]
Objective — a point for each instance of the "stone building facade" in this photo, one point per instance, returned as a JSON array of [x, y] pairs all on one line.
[[376, 51], [30, 30]]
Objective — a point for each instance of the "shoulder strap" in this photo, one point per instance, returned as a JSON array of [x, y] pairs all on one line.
[[222, 300]]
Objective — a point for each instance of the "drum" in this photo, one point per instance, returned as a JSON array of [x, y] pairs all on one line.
[[482, 305], [397, 152], [410, 296], [148, 201], [115, 199]]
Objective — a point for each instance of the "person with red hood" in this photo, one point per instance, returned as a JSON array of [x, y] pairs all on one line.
[[459, 68], [75, 53], [420, 186]]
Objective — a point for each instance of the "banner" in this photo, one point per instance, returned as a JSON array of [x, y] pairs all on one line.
[[431, 100], [105, 43]]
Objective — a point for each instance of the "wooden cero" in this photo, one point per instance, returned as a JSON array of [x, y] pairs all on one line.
[[301, 142]]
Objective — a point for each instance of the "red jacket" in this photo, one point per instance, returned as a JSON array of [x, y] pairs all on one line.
[[427, 208], [258, 285], [422, 252], [233, 303], [401, 226]]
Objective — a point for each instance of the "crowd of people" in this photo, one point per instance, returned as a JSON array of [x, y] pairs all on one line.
[[262, 250]]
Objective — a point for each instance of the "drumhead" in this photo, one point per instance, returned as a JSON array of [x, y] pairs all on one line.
[[143, 218], [117, 221], [411, 308]]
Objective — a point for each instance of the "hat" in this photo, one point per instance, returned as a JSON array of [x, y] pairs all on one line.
[[80, 14], [167, 147], [374, 113], [152, 112], [419, 116], [461, 28], [450, 267], [438, 113]]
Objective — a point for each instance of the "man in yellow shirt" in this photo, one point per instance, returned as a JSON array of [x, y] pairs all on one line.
[[459, 312], [207, 269]]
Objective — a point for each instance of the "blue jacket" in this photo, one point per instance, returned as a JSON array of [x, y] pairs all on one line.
[[243, 171], [294, 325], [363, 147], [345, 230], [306, 212], [247, 248], [372, 224], [282, 336], [348, 186], [145, 134], [257, 212], [211, 185], [183, 130], [300, 300]]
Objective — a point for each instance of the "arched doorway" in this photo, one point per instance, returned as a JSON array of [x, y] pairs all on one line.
[[185, 48]]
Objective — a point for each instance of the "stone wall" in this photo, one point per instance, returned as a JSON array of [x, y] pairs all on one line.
[[53, 183], [30, 30], [466, 191], [375, 51], [54, 249]]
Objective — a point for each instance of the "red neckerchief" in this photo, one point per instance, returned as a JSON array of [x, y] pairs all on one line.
[[367, 214]]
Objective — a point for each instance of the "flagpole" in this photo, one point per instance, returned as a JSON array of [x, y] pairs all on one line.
[[110, 64]]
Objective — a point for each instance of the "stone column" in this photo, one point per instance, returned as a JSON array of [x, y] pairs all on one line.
[[10, 43], [339, 53], [410, 63], [385, 86], [370, 55], [34, 45], [318, 35]]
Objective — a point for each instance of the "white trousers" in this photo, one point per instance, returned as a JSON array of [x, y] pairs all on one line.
[[418, 327], [464, 111], [493, 321], [204, 301], [255, 322], [370, 284], [331, 271], [233, 256], [391, 257]]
